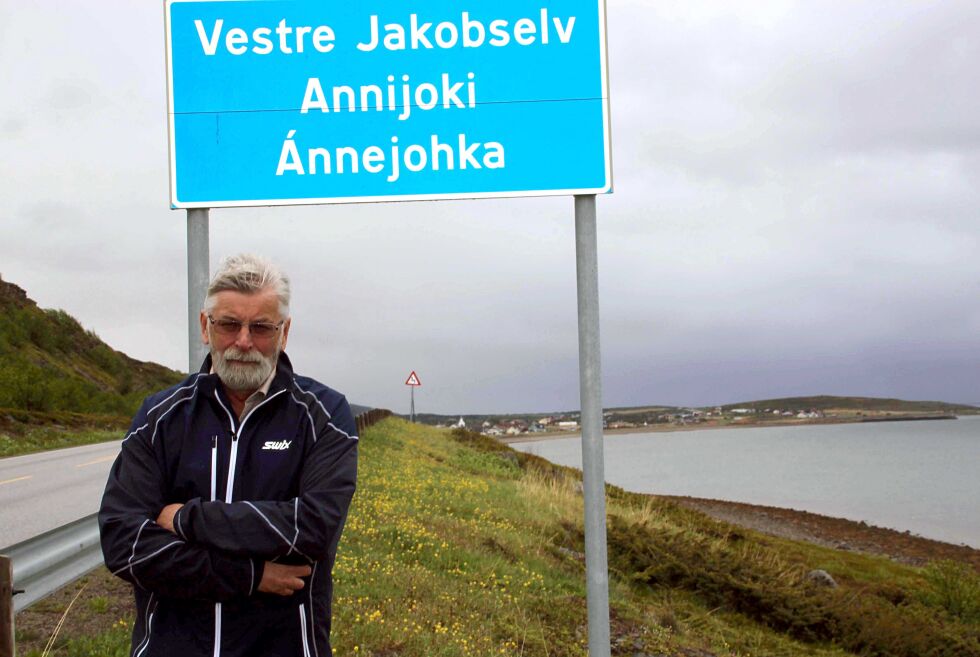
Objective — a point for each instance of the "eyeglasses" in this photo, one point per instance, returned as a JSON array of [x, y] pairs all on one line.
[[232, 327]]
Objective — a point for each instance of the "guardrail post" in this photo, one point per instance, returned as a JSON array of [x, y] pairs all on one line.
[[6, 607]]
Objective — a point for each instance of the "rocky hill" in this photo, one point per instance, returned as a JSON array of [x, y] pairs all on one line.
[[49, 364]]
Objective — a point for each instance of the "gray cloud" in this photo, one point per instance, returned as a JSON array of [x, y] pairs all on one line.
[[795, 213]]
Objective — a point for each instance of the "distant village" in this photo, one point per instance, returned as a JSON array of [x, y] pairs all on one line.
[[516, 426]]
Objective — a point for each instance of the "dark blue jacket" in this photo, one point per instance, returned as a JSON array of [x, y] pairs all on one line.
[[274, 487]]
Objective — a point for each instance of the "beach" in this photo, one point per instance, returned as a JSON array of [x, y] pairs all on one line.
[[837, 533]]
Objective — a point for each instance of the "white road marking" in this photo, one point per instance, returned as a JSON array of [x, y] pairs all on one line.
[[10, 481], [101, 460]]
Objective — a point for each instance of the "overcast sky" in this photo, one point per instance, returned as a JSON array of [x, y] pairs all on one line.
[[796, 212]]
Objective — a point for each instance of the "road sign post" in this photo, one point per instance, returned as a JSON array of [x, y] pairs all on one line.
[[590, 387], [303, 102], [198, 275], [413, 382]]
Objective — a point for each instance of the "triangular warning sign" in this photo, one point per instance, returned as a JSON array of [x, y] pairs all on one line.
[[413, 379]]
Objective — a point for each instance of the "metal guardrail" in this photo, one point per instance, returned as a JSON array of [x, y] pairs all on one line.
[[45, 563]]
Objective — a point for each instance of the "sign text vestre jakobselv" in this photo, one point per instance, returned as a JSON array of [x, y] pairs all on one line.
[[393, 94]]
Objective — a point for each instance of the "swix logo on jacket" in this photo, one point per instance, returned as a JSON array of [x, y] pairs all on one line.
[[275, 486]]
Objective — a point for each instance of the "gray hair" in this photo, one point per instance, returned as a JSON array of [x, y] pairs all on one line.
[[249, 274]]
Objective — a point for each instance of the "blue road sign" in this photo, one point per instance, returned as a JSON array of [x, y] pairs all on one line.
[[284, 102]]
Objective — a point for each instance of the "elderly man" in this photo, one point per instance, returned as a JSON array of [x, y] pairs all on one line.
[[226, 503]]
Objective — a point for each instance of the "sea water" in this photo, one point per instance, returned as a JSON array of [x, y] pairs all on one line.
[[921, 476]]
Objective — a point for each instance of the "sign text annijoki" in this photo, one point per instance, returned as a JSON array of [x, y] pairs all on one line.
[[307, 101]]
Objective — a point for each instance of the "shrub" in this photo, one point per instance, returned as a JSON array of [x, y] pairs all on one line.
[[488, 464], [955, 587], [479, 441]]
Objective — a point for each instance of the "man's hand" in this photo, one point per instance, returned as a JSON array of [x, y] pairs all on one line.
[[166, 517], [281, 579]]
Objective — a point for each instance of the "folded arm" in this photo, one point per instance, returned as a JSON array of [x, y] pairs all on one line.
[[140, 551]]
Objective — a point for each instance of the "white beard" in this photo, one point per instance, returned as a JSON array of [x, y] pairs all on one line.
[[229, 367]]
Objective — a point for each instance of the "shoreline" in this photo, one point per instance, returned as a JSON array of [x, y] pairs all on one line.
[[670, 428], [837, 533], [788, 523]]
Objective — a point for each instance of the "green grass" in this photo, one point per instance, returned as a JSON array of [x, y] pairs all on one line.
[[457, 546], [41, 439], [112, 643], [99, 604]]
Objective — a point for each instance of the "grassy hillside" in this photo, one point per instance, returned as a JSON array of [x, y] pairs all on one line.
[[54, 372], [458, 546]]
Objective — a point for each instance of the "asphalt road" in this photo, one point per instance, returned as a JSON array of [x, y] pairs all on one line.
[[42, 491]]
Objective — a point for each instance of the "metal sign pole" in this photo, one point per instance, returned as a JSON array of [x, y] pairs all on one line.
[[590, 389], [413, 403], [198, 276]]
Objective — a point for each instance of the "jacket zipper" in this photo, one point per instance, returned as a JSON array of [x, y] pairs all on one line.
[[214, 467], [214, 496], [235, 435], [229, 486], [232, 461], [217, 629], [302, 628]]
